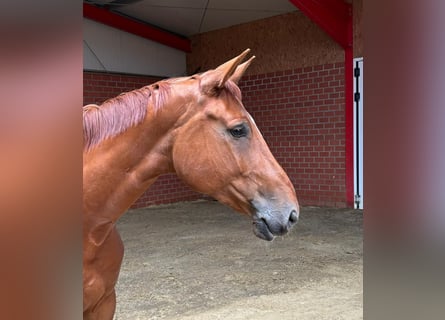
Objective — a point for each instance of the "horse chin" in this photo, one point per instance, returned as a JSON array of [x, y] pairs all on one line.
[[261, 230]]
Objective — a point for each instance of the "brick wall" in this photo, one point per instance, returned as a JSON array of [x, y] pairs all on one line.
[[301, 115], [100, 86]]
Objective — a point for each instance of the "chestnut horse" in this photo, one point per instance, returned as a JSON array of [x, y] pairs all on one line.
[[196, 127]]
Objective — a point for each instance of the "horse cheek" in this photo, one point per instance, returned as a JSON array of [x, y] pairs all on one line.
[[190, 164]]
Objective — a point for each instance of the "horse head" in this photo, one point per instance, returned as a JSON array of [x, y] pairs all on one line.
[[218, 150]]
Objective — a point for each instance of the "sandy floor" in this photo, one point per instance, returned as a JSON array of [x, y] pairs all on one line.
[[201, 261]]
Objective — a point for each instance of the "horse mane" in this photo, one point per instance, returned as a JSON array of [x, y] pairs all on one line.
[[116, 115], [233, 89]]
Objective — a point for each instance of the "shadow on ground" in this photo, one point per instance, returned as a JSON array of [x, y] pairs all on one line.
[[201, 261]]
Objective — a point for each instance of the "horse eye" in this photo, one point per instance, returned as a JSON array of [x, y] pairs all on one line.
[[239, 131]]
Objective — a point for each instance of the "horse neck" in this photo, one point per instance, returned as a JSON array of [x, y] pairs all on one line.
[[126, 165]]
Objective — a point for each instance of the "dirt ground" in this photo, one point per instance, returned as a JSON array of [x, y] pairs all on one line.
[[201, 261]]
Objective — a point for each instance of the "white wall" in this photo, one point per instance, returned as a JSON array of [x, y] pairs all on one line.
[[109, 49], [358, 188]]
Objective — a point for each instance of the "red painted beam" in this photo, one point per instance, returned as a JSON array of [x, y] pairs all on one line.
[[349, 111], [135, 27], [335, 18], [331, 15], [349, 127]]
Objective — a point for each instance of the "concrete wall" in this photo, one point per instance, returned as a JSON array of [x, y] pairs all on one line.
[[280, 43], [113, 50]]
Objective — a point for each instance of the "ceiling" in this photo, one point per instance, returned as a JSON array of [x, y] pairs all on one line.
[[189, 17]]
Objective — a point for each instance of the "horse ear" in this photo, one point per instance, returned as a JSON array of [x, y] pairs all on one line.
[[237, 75], [214, 80]]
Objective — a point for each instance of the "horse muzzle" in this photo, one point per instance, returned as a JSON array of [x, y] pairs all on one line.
[[267, 224]]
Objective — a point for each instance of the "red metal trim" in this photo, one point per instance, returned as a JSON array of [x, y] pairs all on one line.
[[349, 127], [332, 16], [135, 27], [349, 111]]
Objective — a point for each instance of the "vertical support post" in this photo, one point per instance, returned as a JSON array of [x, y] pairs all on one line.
[[349, 126], [349, 109], [335, 18]]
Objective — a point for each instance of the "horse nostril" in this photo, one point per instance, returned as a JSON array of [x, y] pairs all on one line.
[[293, 217]]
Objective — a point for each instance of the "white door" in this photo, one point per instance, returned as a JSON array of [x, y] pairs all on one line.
[[358, 133]]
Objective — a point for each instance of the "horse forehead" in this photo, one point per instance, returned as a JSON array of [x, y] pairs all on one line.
[[232, 100], [229, 106], [252, 120]]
